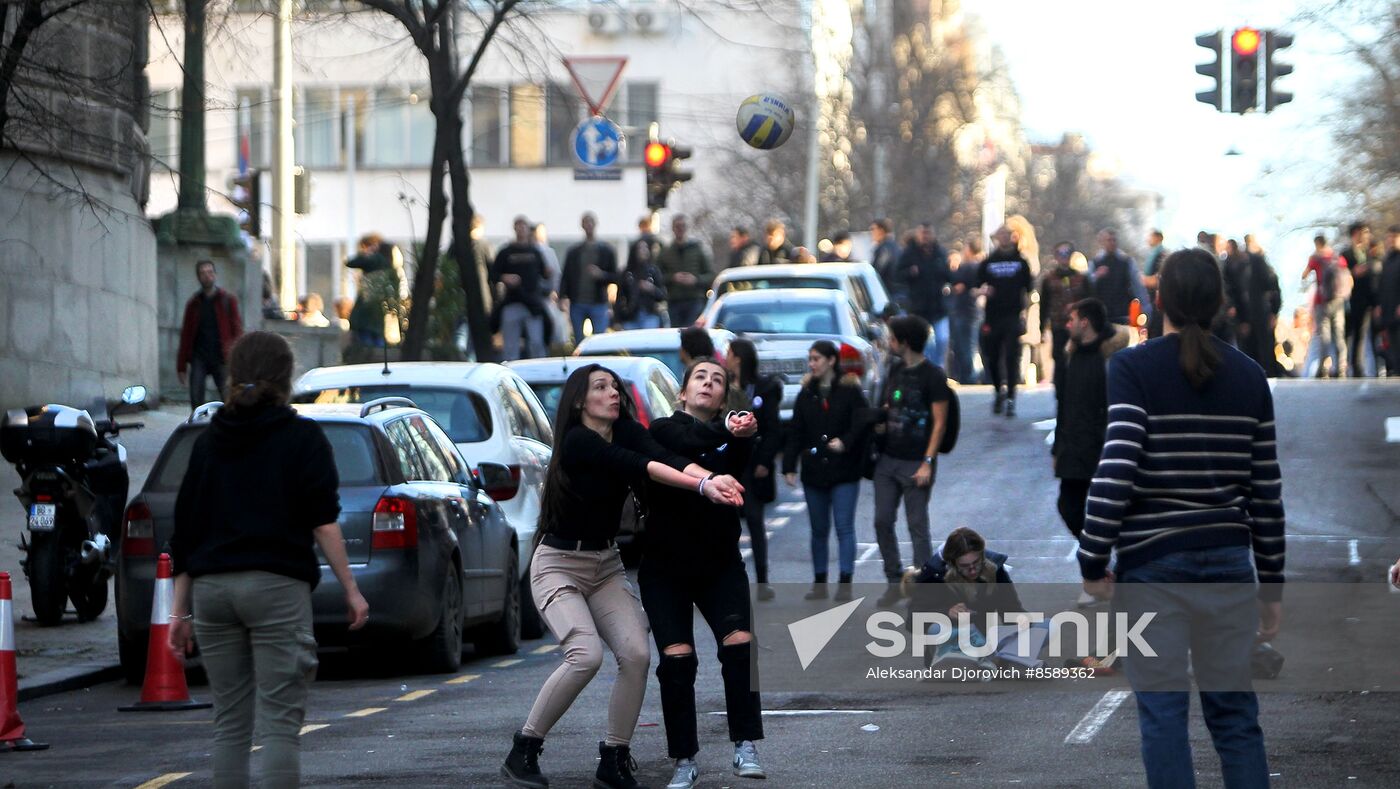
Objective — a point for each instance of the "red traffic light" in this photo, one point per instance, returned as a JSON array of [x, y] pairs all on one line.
[[1245, 41], [657, 154]]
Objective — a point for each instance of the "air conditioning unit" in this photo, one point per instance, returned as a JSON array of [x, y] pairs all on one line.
[[607, 23], [650, 20]]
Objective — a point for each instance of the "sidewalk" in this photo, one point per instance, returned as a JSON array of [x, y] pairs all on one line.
[[53, 659]]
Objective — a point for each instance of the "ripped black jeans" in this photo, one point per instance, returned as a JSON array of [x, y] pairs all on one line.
[[671, 591]]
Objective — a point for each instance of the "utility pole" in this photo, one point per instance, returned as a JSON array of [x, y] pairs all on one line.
[[283, 152], [809, 208]]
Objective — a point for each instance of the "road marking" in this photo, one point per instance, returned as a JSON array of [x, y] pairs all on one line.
[[507, 663], [415, 695], [544, 650], [310, 727], [791, 506], [255, 749], [804, 713], [1392, 430], [365, 713], [1073, 553], [156, 783], [871, 548], [1354, 556], [1044, 424], [1089, 726], [780, 521], [462, 680]]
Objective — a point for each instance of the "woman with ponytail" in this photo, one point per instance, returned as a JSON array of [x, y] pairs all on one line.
[[1188, 494]]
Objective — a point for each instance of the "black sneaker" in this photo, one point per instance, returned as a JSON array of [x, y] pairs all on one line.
[[615, 768], [1010, 407], [998, 402]]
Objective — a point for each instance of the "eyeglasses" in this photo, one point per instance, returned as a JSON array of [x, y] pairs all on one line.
[[971, 567]]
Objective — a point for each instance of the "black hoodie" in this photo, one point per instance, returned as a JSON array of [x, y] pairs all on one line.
[[258, 482]]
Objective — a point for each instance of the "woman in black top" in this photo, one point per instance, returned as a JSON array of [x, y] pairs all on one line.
[[762, 396], [576, 574], [824, 434], [692, 561], [260, 487]]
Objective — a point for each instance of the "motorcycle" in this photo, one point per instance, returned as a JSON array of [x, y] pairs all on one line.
[[73, 487]]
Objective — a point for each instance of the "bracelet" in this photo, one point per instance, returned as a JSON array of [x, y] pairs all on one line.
[[185, 618], [702, 486]]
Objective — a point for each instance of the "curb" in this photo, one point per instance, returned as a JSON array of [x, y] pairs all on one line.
[[66, 679]]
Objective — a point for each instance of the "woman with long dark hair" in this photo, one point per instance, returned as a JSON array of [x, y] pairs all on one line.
[[763, 397], [260, 488], [1187, 493], [823, 437], [576, 574], [692, 561]]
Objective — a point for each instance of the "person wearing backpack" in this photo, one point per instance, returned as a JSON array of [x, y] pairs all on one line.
[[914, 418], [1332, 289]]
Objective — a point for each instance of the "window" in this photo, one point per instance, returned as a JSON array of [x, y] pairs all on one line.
[[400, 129], [643, 107], [164, 135], [486, 137], [322, 268], [543, 432], [318, 128], [527, 126], [355, 461], [433, 461], [662, 394], [464, 415], [791, 317], [565, 112], [406, 450], [549, 395], [254, 115], [455, 465], [515, 419], [770, 283]]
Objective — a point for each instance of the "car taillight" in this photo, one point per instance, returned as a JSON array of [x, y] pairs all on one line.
[[43, 497], [395, 524], [642, 415], [138, 531], [851, 361]]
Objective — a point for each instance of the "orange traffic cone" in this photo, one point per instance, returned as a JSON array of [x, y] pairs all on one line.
[[164, 689], [11, 727]]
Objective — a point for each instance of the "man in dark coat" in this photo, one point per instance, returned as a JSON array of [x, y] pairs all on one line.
[[1388, 313], [1260, 302], [923, 267], [210, 327], [1117, 280], [1365, 285]]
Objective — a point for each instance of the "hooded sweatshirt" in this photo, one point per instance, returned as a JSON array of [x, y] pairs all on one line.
[[259, 481]]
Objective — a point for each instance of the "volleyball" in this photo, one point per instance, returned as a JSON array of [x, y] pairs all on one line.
[[765, 121]]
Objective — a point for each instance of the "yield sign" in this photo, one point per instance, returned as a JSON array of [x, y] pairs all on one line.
[[596, 78]]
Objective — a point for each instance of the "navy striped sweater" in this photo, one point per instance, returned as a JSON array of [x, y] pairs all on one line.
[[1185, 470]]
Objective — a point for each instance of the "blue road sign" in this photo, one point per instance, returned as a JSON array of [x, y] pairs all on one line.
[[597, 143]]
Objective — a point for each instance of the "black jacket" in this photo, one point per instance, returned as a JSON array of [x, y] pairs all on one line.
[[925, 274], [605, 259], [1116, 289], [1390, 289], [765, 404], [258, 483], [1081, 409], [681, 525], [815, 421], [931, 594]]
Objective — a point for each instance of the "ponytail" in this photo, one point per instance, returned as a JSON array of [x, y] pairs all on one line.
[[1191, 293], [1199, 356]]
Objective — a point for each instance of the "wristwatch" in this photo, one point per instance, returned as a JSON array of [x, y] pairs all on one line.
[[928, 459]]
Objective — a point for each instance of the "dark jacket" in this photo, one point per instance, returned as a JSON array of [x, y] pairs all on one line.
[[1390, 289], [524, 261], [686, 257], [379, 288], [1081, 409], [680, 525], [258, 483], [1116, 289], [783, 253], [1365, 282], [226, 316], [749, 254], [995, 593], [1060, 288], [632, 299], [765, 403], [815, 421], [886, 263], [574, 274], [925, 274]]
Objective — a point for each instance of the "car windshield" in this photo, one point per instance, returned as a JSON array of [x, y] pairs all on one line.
[[464, 415], [771, 283], [351, 445], [672, 359], [778, 317]]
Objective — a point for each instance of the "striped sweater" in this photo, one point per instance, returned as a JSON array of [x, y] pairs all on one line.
[[1185, 470]]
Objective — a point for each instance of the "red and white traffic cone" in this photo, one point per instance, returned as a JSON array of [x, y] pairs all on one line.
[[11, 727], [164, 688]]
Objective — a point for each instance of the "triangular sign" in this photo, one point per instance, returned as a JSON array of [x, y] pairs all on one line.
[[596, 78]]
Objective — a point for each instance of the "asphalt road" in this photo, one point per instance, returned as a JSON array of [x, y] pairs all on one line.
[[369, 726]]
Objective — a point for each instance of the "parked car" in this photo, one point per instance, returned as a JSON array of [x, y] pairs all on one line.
[[652, 386], [432, 553], [663, 345], [783, 324], [491, 415], [859, 281]]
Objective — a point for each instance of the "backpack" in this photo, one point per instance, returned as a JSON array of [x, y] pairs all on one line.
[[1335, 281]]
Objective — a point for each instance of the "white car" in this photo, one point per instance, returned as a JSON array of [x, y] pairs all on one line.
[[859, 281], [492, 416]]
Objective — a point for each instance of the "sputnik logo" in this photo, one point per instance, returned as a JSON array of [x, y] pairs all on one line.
[[811, 635]]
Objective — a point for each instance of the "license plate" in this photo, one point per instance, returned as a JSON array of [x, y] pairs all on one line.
[[42, 517]]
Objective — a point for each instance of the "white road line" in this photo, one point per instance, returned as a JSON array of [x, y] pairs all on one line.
[[868, 554], [791, 506], [1392, 430], [1044, 424], [310, 727], [778, 522], [168, 778], [1089, 726], [1354, 555], [1073, 553], [745, 554], [804, 713]]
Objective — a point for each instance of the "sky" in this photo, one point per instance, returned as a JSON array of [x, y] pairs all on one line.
[[1123, 74]]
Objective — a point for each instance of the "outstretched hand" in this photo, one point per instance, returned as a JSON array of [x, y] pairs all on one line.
[[741, 424], [724, 489]]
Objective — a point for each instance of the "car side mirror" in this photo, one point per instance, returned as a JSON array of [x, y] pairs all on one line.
[[500, 482], [134, 395]]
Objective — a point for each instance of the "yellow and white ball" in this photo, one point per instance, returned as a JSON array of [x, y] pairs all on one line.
[[765, 121]]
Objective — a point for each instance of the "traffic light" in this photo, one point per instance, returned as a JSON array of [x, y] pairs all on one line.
[[1273, 69], [1244, 70], [246, 196], [658, 162], [1212, 42]]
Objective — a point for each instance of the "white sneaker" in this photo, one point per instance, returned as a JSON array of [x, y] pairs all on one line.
[[1087, 600], [686, 773], [746, 760]]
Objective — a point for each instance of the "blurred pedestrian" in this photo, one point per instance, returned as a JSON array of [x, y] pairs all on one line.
[[1388, 311], [376, 294], [743, 250], [923, 267], [763, 397], [556, 317], [1187, 411], [1365, 273], [518, 274], [641, 295], [1116, 279], [1006, 276], [1061, 287], [1258, 312], [841, 246], [776, 248], [210, 327], [885, 257], [688, 272], [601, 452], [692, 561], [914, 418], [962, 314], [1151, 270], [824, 438], [697, 345], [1332, 285], [590, 266], [313, 312], [260, 488]]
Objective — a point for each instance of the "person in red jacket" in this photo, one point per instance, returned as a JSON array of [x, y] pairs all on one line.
[[211, 325]]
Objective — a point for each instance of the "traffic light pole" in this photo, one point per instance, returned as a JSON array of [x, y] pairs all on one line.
[[283, 240]]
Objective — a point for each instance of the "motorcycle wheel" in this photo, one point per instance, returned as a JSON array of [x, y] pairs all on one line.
[[89, 595], [48, 578]]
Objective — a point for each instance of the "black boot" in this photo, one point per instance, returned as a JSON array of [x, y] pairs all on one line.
[[843, 589], [615, 768], [522, 766]]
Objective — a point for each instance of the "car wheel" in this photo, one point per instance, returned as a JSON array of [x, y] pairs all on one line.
[[502, 637], [442, 650], [531, 623]]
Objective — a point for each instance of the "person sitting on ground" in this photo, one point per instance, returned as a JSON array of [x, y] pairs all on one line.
[[965, 579]]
